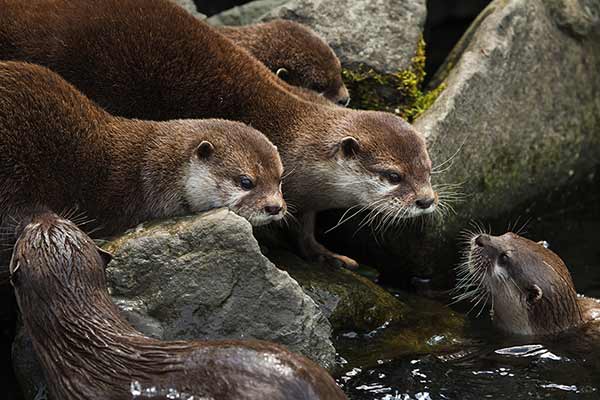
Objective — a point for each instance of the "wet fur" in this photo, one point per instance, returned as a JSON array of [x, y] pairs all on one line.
[[88, 351], [531, 293]]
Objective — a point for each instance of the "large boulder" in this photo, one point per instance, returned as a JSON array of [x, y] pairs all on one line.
[[204, 277]]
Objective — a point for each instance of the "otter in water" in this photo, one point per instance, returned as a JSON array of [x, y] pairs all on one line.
[[59, 150], [528, 286], [152, 60], [295, 53], [88, 351]]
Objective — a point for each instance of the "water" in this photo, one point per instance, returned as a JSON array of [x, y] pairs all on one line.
[[490, 365]]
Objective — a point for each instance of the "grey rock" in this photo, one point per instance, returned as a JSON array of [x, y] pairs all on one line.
[[204, 277], [190, 6], [379, 34], [245, 14]]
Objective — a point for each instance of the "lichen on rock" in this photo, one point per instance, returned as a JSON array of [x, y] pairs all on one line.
[[400, 92]]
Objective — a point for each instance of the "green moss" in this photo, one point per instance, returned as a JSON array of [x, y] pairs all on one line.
[[400, 92]]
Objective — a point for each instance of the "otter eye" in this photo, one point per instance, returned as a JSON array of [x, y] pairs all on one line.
[[246, 183], [282, 73], [393, 177], [503, 259]]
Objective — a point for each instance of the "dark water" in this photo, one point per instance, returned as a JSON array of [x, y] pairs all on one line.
[[491, 366]]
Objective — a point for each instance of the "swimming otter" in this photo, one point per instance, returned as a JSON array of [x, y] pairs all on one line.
[[59, 150], [295, 53], [153, 60], [88, 351], [528, 285]]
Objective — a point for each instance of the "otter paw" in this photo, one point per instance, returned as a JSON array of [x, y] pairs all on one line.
[[339, 261]]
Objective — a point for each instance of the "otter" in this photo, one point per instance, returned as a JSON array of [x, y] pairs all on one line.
[[295, 53], [61, 151], [528, 285], [152, 60], [88, 351]]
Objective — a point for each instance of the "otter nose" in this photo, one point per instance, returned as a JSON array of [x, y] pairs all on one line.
[[344, 101], [343, 96], [482, 240], [425, 203], [273, 210]]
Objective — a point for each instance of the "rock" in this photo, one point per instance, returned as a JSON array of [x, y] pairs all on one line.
[[427, 327], [204, 277], [378, 34], [519, 118], [348, 300], [190, 6], [245, 14]]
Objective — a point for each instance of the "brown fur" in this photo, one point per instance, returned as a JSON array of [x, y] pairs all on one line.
[[309, 62], [88, 351], [152, 60], [536, 295], [60, 151]]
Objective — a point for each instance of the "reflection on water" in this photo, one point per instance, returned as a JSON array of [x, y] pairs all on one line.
[[523, 371], [492, 366]]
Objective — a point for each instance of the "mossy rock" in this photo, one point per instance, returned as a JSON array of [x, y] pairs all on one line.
[[347, 299], [400, 92], [427, 327]]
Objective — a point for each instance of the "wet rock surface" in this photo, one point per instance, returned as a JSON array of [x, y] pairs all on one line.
[[348, 300], [204, 277]]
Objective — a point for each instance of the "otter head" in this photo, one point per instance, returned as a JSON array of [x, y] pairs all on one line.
[[235, 166], [54, 260], [529, 287], [298, 56], [380, 162]]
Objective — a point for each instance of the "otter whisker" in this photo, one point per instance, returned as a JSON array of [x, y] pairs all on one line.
[[435, 170], [288, 173]]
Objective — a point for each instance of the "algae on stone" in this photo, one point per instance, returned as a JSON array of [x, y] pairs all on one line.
[[400, 92]]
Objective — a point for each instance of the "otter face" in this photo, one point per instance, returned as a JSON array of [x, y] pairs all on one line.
[[384, 166], [326, 80], [529, 286], [301, 58], [241, 174]]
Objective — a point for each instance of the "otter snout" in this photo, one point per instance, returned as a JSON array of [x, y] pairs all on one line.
[[343, 96], [483, 240], [273, 210]]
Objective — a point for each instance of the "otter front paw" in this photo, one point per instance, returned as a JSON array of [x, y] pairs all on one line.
[[338, 261]]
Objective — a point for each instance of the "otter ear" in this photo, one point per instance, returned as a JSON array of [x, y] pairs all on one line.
[[544, 243], [105, 255], [282, 73], [348, 147], [205, 150], [534, 294]]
